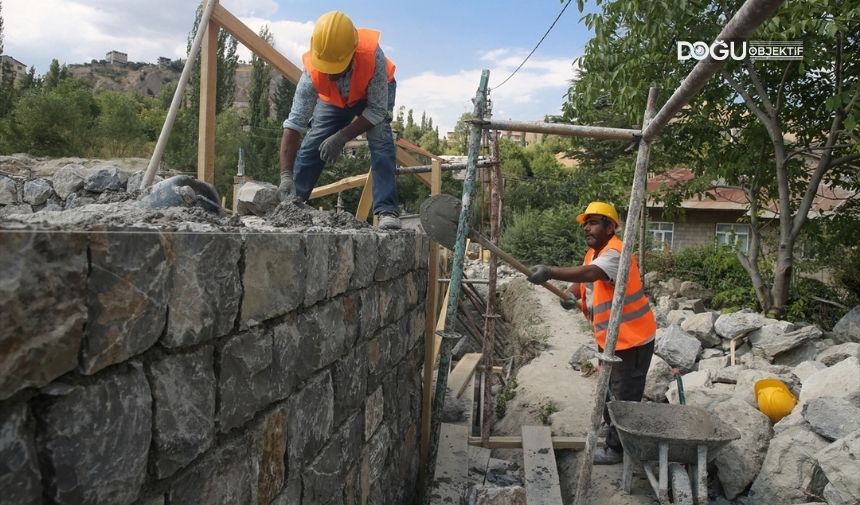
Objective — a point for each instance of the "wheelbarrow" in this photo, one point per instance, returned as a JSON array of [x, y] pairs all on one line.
[[680, 434]]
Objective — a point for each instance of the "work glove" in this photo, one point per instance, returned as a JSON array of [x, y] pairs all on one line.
[[568, 303], [286, 189], [331, 147], [539, 274]]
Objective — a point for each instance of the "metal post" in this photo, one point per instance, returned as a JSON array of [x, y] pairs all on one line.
[[454, 288], [569, 130], [630, 226], [490, 319], [166, 128]]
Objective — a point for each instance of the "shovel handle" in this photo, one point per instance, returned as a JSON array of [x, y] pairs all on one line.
[[514, 263]]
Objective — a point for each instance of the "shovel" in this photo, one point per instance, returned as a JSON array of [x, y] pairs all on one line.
[[439, 217]]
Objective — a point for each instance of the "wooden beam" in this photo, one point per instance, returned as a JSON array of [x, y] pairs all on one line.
[[206, 123], [256, 44], [407, 160], [341, 185], [430, 314], [514, 442], [540, 469], [462, 374], [365, 203]]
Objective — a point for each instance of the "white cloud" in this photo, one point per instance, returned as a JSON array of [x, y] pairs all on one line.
[[291, 37], [536, 90]]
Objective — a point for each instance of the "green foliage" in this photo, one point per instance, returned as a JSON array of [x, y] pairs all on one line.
[[508, 393], [545, 411], [549, 236], [735, 129], [119, 125]]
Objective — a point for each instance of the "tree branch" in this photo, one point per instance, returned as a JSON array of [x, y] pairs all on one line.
[[781, 86], [845, 159], [762, 93]]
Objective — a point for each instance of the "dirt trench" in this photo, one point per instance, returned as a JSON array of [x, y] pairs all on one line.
[[547, 379]]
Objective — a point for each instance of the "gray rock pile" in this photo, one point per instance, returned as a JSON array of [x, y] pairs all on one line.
[[809, 455]]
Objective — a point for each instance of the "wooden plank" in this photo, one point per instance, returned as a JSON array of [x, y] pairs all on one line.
[[541, 473], [430, 314], [514, 442], [256, 44], [206, 122], [452, 465], [365, 203], [463, 372], [341, 185]]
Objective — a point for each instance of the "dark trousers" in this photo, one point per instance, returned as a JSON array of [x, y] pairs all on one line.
[[627, 382]]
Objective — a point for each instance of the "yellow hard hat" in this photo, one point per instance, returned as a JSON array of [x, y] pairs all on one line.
[[600, 209], [333, 42], [774, 398]]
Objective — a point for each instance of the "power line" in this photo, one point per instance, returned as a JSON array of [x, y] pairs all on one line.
[[535, 48]]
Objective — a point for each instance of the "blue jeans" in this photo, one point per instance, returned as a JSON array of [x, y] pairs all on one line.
[[329, 119]]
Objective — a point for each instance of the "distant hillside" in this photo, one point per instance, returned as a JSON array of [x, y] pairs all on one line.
[[148, 79]]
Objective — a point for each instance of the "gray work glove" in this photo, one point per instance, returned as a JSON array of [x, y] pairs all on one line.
[[331, 147], [286, 189], [539, 274], [569, 303]]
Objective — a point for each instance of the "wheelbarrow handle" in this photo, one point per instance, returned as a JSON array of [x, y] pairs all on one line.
[[477, 237]]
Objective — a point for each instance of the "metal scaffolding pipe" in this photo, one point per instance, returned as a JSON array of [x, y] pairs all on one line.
[[569, 130], [423, 169], [745, 21]]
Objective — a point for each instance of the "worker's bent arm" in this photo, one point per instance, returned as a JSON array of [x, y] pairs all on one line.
[[583, 273], [357, 127], [289, 148]]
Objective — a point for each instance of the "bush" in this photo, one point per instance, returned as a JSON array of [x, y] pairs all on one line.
[[549, 236]]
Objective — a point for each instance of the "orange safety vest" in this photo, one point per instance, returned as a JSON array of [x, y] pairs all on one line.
[[363, 65], [638, 325]]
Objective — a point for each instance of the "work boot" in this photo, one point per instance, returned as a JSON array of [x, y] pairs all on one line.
[[607, 456], [389, 221]]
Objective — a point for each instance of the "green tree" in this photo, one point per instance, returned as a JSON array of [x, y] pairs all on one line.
[[284, 99], [776, 129], [118, 126], [52, 78]]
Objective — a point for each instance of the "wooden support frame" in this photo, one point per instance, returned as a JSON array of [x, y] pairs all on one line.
[[206, 123], [515, 442]]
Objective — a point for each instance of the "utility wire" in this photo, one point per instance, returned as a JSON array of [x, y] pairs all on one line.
[[535, 48]]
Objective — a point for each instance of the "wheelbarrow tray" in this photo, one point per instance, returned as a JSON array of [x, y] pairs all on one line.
[[642, 427]]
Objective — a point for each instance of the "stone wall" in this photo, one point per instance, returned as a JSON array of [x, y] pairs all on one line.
[[147, 367]]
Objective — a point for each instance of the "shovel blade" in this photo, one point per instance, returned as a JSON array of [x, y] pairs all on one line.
[[440, 215]]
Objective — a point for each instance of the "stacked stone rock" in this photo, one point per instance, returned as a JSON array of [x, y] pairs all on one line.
[[810, 453], [72, 185], [141, 366]]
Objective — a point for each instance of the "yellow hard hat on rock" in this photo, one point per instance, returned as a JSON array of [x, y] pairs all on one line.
[[333, 42], [599, 209], [774, 399]]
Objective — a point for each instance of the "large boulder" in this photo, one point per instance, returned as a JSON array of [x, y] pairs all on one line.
[[807, 368], [714, 363], [693, 290], [657, 380], [701, 326], [739, 462], [773, 344], [738, 324], [841, 380], [677, 347], [699, 390], [106, 179], [257, 198], [69, 179], [832, 418], [695, 305], [8, 191], [790, 471], [848, 328], [837, 353], [678, 316], [839, 462], [37, 191]]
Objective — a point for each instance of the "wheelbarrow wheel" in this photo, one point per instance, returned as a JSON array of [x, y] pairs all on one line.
[[682, 493]]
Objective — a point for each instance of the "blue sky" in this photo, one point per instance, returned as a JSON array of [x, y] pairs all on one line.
[[439, 47]]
